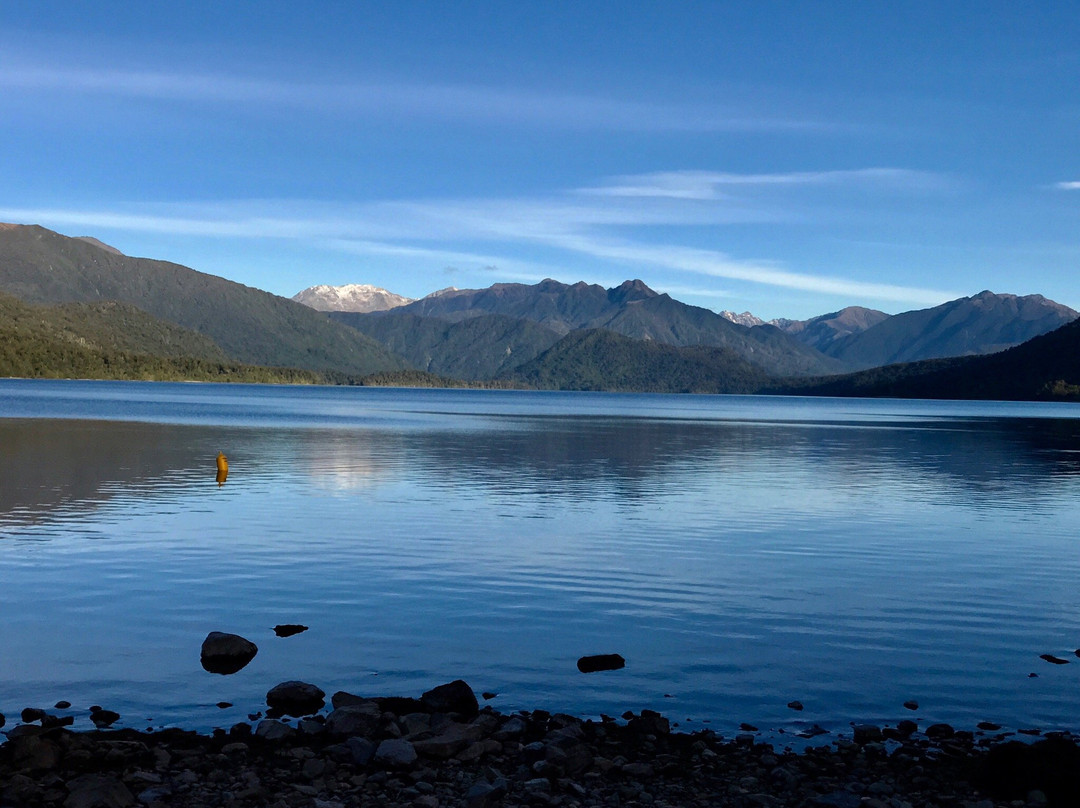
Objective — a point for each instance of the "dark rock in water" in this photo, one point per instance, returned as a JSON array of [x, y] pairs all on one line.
[[1053, 660], [488, 695], [295, 698], [813, 732], [1012, 770], [866, 733], [600, 662], [911, 704], [795, 705], [2, 720], [289, 629], [938, 732], [54, 721], [62, 705], [649, 722], [906, 727], [226, 653], [343, 699], [453, 697], [31, 714], [748, 728], [989, 726], [1033, 676], [223, 704], [1029, 731], [104, 718]]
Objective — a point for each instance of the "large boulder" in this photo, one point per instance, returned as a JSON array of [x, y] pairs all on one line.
[[453, 697], [295, 698], [226, 653], [355, 719], [395, 753]]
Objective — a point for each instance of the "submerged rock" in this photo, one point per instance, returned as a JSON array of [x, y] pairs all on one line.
[[295, 698], [104, 718], [1053, 660], [289, 629], [795, 705], [226, 653], [600, 662]]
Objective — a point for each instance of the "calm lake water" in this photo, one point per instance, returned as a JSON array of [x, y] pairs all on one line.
[[739, 552]]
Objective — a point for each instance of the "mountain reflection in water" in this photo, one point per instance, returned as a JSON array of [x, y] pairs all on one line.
[[740, 553]]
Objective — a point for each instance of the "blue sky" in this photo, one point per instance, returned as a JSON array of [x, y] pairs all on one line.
[[786, 158]]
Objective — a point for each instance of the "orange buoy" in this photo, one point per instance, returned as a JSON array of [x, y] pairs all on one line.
[[222, 468]]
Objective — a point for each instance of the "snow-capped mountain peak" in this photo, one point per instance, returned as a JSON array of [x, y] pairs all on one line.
[[359, 297]]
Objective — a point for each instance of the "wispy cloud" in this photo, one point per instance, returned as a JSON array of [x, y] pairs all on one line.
[[1068, 186], [477, 104], [598, 227], [711, 185]]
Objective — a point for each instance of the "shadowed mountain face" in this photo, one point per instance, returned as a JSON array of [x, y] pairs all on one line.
[[1045, 367], [633, 310], [476, 348], [251, 326], [603, 360], [982, 324]]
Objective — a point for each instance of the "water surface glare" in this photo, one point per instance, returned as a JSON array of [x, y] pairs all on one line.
[[739, 552]]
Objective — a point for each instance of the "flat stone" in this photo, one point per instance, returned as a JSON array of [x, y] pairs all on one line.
[[289, 629]]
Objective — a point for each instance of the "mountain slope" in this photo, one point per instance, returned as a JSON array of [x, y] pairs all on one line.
[[1044, 367], [115, 341], [477, 348], [822, 331], [634, 310], [981, 324], [251, 326], [603, 360]]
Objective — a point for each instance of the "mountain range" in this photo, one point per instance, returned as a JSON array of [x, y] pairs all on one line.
[[249, 325], [78, 307]]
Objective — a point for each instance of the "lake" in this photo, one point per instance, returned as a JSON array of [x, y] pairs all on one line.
[[740, 552]]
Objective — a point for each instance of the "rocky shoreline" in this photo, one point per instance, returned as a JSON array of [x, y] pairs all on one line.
[[443, 751]]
